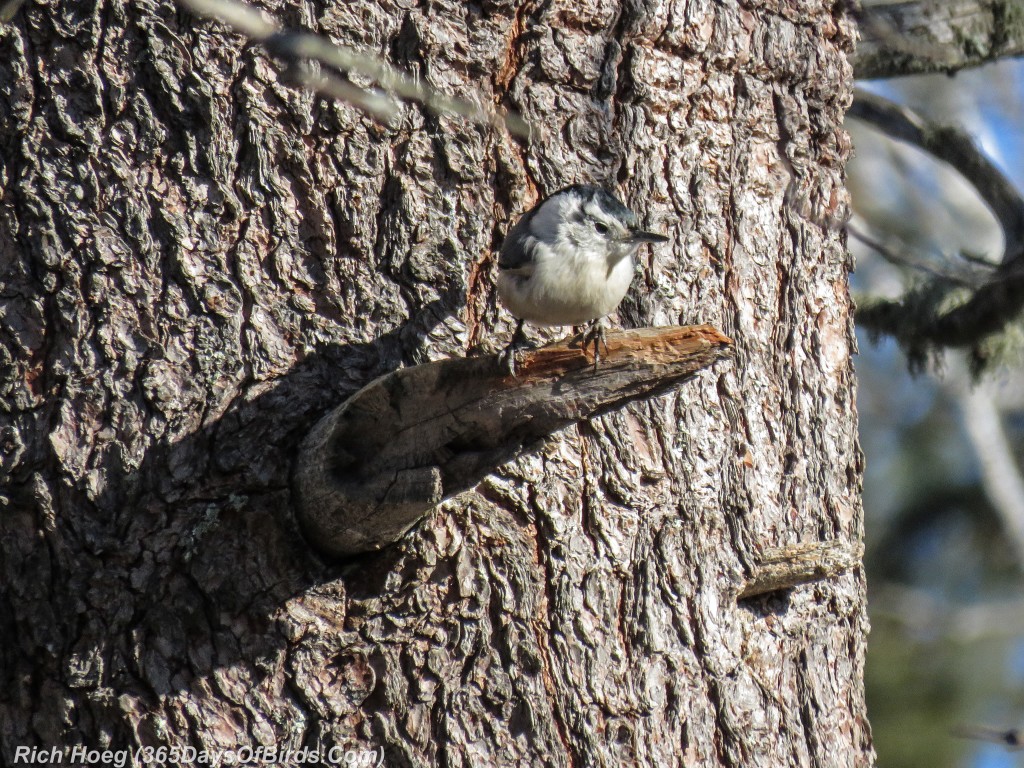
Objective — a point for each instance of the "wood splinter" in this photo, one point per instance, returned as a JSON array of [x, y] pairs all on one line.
[[375, 465]]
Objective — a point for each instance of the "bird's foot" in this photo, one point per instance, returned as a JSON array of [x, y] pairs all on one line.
[[595, 334], [509, 358]]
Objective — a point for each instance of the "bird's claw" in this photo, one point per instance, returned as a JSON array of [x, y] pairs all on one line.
[[596, 335], [510, 357]]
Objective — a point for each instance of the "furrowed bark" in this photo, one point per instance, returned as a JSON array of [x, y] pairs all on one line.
[[199, 260]]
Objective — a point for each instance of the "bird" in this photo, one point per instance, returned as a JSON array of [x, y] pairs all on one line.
[[569, 261]]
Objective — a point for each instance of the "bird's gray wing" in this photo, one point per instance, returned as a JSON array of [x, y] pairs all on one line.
[[519, 249]]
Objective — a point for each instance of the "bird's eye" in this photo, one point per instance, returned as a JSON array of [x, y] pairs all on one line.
[[601, 228]]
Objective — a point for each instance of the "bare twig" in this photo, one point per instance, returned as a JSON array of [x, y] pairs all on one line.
[[904, 259], [302, 46], [917, 320], [906, 38], [953, 146], [373, 102], [1008, 737], [1000, 474], [919, 610]]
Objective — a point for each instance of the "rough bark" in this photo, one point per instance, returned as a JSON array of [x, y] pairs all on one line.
[[198, 261]]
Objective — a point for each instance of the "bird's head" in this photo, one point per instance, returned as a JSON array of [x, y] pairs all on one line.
[[590, 219]]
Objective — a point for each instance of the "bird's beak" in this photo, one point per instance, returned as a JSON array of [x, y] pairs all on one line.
[[638, 236]]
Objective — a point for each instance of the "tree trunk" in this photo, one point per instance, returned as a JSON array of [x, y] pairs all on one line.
[[199, 260]]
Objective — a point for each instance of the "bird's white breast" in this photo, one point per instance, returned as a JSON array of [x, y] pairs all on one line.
[[568, 286]]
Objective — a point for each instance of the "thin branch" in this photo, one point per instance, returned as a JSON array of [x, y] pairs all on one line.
[[919, 319], [953, 146], [1000, 475], [373, 102], [907, 38], [918, 610], [1011, 738], [302, 46], [910, 261]]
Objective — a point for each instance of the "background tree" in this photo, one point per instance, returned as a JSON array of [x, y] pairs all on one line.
[[200, 259], [938, 239]]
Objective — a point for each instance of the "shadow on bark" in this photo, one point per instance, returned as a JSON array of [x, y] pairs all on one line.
[[184, 564]]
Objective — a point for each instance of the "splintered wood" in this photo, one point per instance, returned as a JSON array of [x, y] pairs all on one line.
[[374, 466]]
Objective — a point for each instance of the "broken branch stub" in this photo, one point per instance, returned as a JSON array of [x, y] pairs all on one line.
[[374, 466]]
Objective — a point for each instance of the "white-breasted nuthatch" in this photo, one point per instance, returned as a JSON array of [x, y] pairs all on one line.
[[569, 261]]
